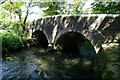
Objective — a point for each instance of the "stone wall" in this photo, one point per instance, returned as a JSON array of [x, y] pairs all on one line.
[[97, 28]]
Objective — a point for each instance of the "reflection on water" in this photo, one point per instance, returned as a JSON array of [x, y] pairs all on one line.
[[37, 62]]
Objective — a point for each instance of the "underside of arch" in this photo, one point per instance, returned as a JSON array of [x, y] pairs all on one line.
[[40, 37], [74, 42]]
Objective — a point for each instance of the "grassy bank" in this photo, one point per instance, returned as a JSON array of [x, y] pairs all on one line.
[[112, 71], [11, 41]]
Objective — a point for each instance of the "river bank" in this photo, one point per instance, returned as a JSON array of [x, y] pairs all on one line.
[[112, 70]]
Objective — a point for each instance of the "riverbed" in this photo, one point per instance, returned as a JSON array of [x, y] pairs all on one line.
[[45, 63]]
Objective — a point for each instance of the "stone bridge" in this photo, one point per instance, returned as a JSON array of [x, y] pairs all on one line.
[[97, 28]]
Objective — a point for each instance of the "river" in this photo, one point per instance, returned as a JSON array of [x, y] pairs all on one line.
[[45, 63]]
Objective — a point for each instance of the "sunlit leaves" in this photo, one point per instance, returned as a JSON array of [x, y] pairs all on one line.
[[77, 8], [57, 8], [3, 15], [106, 7], [17, 5], [51, 8], [7, 6]]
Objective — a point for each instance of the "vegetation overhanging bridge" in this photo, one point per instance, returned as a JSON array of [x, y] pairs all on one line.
[[97, 28]]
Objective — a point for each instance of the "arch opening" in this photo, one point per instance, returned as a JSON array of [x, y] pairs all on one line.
[[76, 43], [40, 38]]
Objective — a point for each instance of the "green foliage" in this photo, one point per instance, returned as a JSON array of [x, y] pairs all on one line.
[[9, 26], [59, 8], [106, 7], [51, 8], [13, 37], [7, 6], [17, 5], [18, 26], [3, 14], [77, 7], [10, 41], [6, 18]]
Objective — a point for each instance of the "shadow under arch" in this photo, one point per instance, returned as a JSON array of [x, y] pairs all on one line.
[[40, 37], [76, 43]]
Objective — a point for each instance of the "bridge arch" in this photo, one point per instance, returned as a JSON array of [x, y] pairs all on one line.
[[97, 28], [74, 42], [40, 37]]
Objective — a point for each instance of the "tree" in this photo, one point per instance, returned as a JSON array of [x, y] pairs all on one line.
[[14, 16], [56, 8], [51, 8], [106, 7], [24, 22], [77, 7], [15, 9], [3, 20]]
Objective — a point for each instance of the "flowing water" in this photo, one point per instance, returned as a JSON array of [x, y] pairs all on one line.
[[44, 63]]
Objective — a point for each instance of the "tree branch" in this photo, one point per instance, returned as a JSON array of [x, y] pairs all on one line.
[[14, 16], [26, 16]]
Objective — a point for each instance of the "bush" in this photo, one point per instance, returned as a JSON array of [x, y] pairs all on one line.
[[10, 41]]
